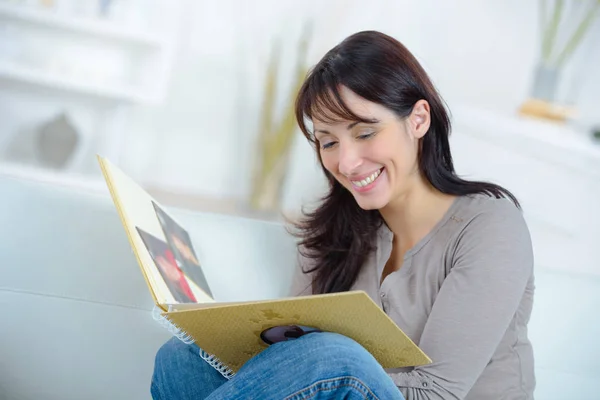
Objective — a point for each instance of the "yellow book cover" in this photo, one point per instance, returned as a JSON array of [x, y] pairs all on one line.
[[231, 333]]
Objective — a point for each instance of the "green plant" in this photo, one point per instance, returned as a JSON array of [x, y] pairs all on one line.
[[552, 55], [275, 138]]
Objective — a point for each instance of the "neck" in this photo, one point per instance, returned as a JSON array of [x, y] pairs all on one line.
[[415, 213]]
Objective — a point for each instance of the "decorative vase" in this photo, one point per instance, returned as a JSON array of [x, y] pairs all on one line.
[[57, 141], [545, 83], [563, 25]]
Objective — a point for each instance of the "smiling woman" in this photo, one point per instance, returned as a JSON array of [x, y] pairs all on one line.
[[449, 260], [375, 111]]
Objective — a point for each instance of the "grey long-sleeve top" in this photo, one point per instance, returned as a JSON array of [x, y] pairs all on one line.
[[464, 294]]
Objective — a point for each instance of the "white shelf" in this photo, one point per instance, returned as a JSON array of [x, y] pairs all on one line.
[[31, 76], [87, 26], [557, 143], [55, 177]]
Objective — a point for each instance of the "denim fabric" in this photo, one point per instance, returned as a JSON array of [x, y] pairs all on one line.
[[317, 366]]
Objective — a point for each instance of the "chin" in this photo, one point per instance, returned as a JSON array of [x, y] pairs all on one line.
[[370, 204]]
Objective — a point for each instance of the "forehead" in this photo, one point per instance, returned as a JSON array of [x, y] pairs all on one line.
[[361, 109]]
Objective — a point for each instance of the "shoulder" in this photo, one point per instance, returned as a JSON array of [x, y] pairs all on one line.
[[486, 213], [488, 228]]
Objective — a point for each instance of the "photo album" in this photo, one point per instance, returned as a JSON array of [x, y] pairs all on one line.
[[229, 334]]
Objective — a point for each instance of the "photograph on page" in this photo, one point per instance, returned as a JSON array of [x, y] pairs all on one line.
[[172, 275], [181, 244]]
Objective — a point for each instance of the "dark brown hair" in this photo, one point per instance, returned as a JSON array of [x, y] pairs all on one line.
[[339, 235]]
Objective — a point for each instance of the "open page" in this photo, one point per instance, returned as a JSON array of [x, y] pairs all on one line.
[[170, 278]]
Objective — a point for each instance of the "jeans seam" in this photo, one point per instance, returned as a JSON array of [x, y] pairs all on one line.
[[357, 384]]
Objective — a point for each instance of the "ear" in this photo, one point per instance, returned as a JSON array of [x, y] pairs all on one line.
[[419, 119]]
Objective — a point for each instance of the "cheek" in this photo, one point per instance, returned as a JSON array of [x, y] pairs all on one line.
[[330, 162], [401, 155]]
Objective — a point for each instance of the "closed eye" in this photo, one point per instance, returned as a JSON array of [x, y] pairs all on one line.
[[327, 145], [366, 135]]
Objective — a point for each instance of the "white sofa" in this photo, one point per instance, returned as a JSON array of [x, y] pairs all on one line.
[[76, 314], [76, 320]]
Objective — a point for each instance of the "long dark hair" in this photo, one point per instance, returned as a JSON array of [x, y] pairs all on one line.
[[339, 235]]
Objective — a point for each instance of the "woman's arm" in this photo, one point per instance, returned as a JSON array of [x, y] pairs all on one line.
[[492, 263]]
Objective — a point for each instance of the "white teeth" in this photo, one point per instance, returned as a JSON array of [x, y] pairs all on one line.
[[367, 180]]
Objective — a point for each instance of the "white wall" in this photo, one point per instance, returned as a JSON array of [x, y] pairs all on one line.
[[480, 53]]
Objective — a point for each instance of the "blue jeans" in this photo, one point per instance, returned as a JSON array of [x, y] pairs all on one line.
[[316, 366]]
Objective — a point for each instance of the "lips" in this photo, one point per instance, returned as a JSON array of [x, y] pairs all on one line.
[[367, 182]]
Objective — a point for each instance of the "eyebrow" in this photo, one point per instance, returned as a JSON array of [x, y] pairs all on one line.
[[351, 125]]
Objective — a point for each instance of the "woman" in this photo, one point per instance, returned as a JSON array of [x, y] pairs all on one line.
[[449, 260]]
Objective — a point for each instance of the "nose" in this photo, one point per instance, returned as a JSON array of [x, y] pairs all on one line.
[[350, 159]]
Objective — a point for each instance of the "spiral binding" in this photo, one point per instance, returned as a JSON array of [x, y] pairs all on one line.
[[170, 326], [217, 364], [212, 360]]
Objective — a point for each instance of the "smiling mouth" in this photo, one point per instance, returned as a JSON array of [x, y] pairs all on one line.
[[368, 180]]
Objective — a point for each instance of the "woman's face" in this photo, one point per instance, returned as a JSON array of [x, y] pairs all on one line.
[[376, 162]]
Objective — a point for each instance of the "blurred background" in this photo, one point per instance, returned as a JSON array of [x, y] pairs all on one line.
[[193, 98]]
